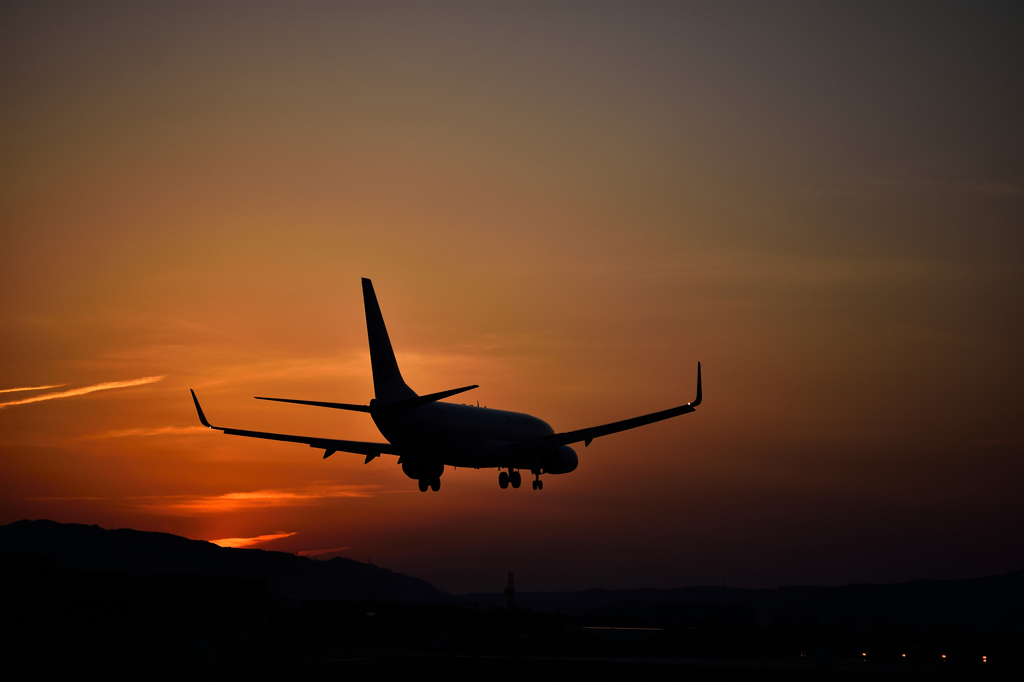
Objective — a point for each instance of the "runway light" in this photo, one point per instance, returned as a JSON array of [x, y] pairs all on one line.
[[943, 656], [904, 655], [984, 659]]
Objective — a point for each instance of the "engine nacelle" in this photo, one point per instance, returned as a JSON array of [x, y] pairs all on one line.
[[561, 461], [419, 470]]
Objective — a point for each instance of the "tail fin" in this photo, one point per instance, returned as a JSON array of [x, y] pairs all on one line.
[[387, 379]]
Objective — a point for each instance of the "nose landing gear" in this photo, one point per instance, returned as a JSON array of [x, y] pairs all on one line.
[[538, 484]]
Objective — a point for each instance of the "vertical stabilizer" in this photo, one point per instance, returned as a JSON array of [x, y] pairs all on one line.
[[387, 380]]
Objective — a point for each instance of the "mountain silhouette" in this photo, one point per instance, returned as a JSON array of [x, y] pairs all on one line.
[[78, 547], [994, 603]]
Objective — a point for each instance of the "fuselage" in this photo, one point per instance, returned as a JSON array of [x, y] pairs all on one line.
[[458, 435]]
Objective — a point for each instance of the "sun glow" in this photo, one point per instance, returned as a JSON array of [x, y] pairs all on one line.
[[241, 543], [240, 501]]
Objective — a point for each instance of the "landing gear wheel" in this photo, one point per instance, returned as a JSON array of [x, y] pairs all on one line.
[[435, 485], [502, 480], [535, 484], [540, 485], [515, 479], [423, 485]]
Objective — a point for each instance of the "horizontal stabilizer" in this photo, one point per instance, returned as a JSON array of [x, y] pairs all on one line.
[[409, 403], [317, 403], [397, 406]]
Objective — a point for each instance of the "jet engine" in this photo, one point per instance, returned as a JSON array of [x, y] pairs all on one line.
[[561, 461], [420, 470]]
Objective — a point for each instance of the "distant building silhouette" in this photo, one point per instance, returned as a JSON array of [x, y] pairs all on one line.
[[510, 592]]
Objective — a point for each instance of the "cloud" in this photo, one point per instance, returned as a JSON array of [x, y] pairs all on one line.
[[85, 389], [199, 505], [249, 542], [30, 388], [159, 431], [321, 552], [241, 501], [67, 499]]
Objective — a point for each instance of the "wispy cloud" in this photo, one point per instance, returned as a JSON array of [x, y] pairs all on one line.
[[68, 499], [159, 431], [82, 391], [241, 501], [198, 505], [30, 388], [321, 552], [249, 542]]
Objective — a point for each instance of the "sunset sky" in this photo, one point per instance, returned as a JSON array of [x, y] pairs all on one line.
[[569, 204]]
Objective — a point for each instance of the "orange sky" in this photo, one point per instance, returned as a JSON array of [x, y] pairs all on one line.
[[566, 204]]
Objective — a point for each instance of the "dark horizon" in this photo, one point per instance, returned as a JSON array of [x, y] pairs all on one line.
[[73, 546]]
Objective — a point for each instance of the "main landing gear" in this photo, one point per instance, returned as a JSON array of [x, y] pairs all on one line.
[[432, 483], [516, 479]]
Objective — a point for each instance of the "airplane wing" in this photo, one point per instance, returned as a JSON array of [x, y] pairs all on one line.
[[589, 434], [329, 445]]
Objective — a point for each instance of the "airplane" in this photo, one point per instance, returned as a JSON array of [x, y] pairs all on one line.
[[427, 435]]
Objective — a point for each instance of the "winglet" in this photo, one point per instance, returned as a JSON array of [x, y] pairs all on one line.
[[696, 402], [202, 417]]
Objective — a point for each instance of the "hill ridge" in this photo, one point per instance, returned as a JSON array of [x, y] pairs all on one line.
[[287, 576]]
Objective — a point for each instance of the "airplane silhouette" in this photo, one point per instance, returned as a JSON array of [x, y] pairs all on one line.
[[427, 434]]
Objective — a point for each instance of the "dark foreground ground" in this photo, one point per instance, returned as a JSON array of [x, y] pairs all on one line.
[[60, 623], [79, 600], [327, 665]]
